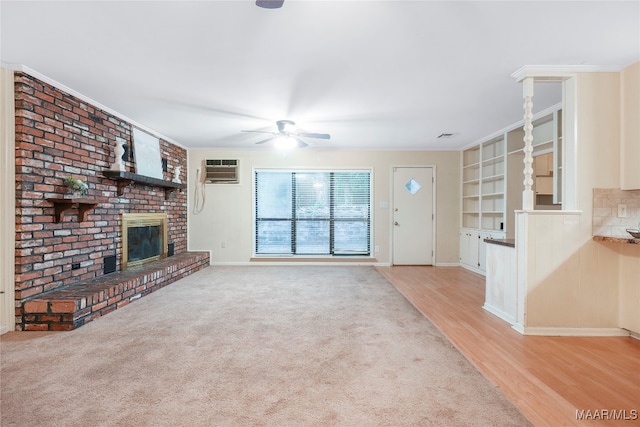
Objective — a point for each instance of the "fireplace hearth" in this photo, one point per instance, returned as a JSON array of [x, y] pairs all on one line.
[[144, 238]]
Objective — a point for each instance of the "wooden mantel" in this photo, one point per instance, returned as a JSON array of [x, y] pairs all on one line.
[[124, 179]]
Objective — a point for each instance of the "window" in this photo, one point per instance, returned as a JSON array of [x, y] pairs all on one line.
[[312, 212]]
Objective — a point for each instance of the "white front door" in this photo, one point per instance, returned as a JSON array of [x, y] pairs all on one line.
[[413, 216]]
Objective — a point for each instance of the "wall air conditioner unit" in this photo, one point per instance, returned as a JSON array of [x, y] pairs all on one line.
[[221, 171]]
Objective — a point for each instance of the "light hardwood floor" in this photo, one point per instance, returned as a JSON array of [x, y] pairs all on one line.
[[548, 379]]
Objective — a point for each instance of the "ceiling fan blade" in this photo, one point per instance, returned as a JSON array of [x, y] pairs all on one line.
[[264, 140], [315, 135], [269, 4], [258, 131]]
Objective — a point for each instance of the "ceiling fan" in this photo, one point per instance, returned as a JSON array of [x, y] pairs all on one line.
[[288, 136], [269, 4]]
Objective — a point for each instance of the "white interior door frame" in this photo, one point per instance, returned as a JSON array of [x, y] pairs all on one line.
[[393, 207], [7, 210]]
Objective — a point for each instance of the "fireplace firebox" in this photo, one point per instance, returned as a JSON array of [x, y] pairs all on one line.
[[144, 238]]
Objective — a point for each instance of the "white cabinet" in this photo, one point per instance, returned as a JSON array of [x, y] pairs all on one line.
[[482, 247], [544, 185], [543, 165], [473, 248], [469, 248]]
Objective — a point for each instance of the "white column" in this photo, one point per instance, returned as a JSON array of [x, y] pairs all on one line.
[[527, 194]]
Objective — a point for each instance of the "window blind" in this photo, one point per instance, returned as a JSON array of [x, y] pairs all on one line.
[[313, 212]]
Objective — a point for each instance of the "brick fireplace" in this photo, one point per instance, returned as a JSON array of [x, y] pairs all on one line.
[[60, 135]]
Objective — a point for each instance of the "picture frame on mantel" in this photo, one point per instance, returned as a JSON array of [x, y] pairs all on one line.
[[147, 157]]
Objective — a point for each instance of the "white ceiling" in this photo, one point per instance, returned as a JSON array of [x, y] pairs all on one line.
[[373, 74]]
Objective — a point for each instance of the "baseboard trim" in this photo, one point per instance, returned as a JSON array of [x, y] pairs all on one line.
[[257, 262], [314, 260], [574, 332], [499, 313], [447, 264], [518, 328], [633, 334], [473, 269]]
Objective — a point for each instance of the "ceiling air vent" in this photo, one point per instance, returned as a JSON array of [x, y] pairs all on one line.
[[221, 171], [446, 135]]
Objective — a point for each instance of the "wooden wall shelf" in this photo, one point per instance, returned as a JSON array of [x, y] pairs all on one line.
[[64, 203], [124, 179]]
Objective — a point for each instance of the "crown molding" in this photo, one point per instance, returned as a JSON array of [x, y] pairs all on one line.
[[58, 85], [516, 125], [560, 72]]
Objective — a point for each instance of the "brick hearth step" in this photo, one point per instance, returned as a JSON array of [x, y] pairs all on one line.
[[70, 307]]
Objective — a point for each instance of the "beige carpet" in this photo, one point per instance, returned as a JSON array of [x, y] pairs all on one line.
[[251, 346]]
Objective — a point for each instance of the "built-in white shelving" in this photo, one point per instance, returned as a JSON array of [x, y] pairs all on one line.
[[492, 182], [483, 185]]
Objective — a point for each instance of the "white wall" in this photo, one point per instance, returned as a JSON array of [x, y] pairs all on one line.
[[227, 217], [630, 105]]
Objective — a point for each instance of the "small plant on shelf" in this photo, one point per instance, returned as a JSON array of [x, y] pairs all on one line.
[[77, 187]]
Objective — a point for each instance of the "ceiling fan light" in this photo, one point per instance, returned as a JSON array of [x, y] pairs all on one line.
[[285, 142]]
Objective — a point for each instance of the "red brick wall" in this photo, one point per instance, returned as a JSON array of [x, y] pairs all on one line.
[[59, 135]]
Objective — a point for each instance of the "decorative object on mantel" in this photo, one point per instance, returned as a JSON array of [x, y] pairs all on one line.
[[146, 149], [77, 187], [176, 175], [125, 179], [119, 152]]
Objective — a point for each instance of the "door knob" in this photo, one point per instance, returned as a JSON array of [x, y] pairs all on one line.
[[396, 223]]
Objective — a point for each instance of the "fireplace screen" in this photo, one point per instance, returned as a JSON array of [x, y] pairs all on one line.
[[144, 238]]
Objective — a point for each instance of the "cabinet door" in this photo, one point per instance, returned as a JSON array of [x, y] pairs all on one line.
[[474, 249], [464, 247], [482, 247], [482, 251], [469, 248], [544, 185], [540, 166]]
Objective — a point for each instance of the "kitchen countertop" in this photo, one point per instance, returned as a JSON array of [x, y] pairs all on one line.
[[502, 242], [628, 240]]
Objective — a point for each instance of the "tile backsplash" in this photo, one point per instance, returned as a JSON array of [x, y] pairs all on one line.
[[605, 211]]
